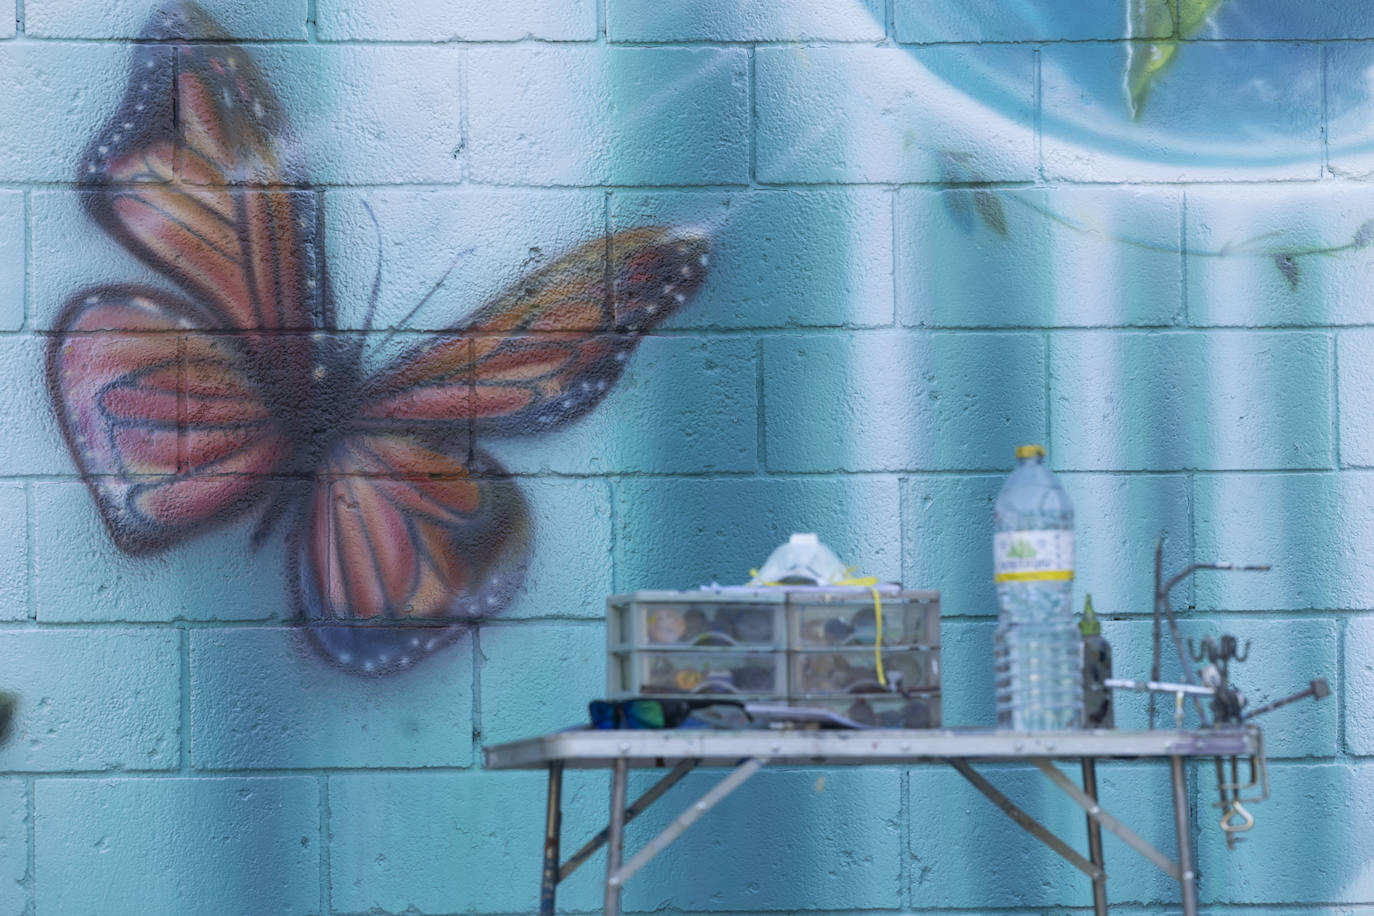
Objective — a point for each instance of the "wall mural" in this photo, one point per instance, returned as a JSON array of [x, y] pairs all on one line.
[[242, 394]]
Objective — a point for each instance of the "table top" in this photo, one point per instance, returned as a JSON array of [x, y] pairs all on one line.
[[595, 749]]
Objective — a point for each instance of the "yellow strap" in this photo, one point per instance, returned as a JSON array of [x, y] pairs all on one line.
[[871, 582], [1052, 574]]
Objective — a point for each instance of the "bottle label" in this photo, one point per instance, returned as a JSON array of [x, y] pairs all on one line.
[[1028, 556]]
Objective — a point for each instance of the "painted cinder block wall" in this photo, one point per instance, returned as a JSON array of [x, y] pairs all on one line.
[[932, 240]]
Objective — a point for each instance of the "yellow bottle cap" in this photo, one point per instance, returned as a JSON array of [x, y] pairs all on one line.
[[1030, 451]]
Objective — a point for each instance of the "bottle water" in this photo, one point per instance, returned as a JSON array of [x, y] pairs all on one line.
[[1039, 650]]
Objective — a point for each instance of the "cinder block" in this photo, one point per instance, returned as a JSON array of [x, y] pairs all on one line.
[[14, 552], [79, 574], [1355, 392], [1117, 520], [14, 847], [30, 442], [645, 116], [236, 846], [9, 24], [1356, 691], [261, 698], [1041, 257], [1349, 109], [684, 405], [780, 258], [966, 659], [988, 20], [1178, 400], [869, 114], [682, 533], [264, 19], [1276, 255], [1308, 843], [436, 20], [13, 267], [964, 851], [492, 240], [451, 843], [77, 87], [356, 123], [893, 400], [1313, 528], [569, 573], [1199, 119], [538, 678], [92, 699], [754, 20], [1273, 19]]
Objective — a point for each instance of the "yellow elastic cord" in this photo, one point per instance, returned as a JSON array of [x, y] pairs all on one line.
[[871, 583]]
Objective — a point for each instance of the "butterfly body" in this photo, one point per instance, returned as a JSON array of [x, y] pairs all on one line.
[[238, 392]]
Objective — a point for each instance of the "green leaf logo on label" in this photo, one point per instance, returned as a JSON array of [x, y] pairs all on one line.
[[1022, 550]]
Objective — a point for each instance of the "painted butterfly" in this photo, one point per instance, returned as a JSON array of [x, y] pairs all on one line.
[[184, 411]]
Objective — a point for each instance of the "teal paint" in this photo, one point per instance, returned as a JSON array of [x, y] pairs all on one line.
[[1195, 357]]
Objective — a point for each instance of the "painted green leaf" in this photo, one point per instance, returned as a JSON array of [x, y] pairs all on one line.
[[1145, 61]]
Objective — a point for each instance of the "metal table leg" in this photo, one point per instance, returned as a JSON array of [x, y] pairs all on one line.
[[615, 843], [1187, 876], [553, 829], [1095, 840]]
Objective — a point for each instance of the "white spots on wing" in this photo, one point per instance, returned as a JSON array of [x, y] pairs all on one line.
[[128, 125], [704, 260], [651, 308], [620, 357], [310, 282], [90, 169], [685, 270], [147, 65], [257, 109], [319, 372], [679, 298], [139, 107], [601, 385], [228, 98], [92, 300], [102, 150], [144, 86]]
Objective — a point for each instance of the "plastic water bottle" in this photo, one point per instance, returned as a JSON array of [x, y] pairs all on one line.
[[1039, 650]]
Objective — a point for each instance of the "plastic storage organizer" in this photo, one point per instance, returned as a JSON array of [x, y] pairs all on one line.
[[801, 645]]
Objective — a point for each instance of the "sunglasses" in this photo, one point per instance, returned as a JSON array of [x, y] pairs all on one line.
[[642, 713]]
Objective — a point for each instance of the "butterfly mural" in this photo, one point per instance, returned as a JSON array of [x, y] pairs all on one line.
[[239, 392]]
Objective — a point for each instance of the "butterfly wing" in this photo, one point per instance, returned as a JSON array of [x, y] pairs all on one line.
[[404, 526], [176, 410], [549, 349], [168, 430], [212, 198]]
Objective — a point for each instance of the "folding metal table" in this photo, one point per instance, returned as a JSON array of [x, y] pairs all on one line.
[[745, 752]]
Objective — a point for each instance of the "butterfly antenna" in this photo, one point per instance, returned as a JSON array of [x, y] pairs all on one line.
[[377, 278], [432, 290]]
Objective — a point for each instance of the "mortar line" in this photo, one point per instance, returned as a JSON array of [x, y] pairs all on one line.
[[184, 676], [613, 516], [19, 23], [905, 896], [31, 833], [477, 737], [1322, 64], [31, 585], [602, 22], [1334, 393], [890, 20], [1037, 117], [1183, 256], [753, 131], [464, 129], [26, 308], [893, 199], [326, 878], [1342, 626], [760, 414], [312, 27]]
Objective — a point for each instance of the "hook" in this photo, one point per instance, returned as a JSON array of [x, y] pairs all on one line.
[[1233, 811], [1239, 657]]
